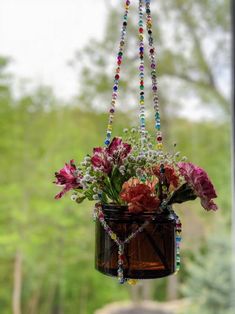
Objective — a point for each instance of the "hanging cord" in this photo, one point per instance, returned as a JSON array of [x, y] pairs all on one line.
[[153, 75], [141, 69], [117, 74], [141, 75]]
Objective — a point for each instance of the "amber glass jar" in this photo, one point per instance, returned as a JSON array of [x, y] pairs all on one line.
[[151, 254]]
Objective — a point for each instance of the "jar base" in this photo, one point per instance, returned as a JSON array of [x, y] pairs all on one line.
[[136, 274]]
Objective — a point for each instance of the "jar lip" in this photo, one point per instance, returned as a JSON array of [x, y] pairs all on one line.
[[113, 208]]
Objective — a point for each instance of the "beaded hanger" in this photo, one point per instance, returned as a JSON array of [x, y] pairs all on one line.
[[152, 59], [142, 120]]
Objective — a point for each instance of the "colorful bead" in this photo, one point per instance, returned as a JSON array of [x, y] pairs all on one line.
[[132, 282]]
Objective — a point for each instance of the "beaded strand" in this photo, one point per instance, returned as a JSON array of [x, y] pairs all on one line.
[[98, 213], [178, 241], [141, 73], [153, 75], [117, 74]]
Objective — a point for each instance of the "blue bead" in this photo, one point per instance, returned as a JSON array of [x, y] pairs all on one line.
[[107, 142]]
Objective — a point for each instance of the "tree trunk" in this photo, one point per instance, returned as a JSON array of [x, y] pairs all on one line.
[[172, 287], [17, 284], [141, 292]]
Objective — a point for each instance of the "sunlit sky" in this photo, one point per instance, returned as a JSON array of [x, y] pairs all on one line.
[[42, 35]]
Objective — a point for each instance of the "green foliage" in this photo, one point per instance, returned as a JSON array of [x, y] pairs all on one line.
[[209, 284]]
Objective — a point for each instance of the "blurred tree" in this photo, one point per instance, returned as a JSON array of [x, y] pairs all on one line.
[[192, 39], [209, 284]]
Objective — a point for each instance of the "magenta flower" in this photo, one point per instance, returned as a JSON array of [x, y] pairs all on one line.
[[118, 150], [198, 179], [68, 178], [100, 160], [114, 154]]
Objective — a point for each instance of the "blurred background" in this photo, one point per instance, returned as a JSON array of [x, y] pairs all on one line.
[[57, 61]]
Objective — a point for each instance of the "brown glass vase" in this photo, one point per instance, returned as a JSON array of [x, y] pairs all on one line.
[[151, 254]]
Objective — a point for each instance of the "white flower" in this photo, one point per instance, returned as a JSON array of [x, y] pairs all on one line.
[[125, 131], [138, 172], [74, 197], [87, 177], [131, 158]]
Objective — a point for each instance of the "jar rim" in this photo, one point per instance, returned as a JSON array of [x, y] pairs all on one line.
[[118, 209]]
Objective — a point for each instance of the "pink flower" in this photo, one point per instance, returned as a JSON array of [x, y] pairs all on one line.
[[114, 154], [68, 178], [118, 150], [198, 179], [100, 160]]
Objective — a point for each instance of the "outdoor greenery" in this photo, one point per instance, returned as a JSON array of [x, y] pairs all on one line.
[[46, 246]]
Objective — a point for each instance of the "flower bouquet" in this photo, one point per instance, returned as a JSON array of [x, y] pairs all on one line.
[[135, 183], [135, 187]]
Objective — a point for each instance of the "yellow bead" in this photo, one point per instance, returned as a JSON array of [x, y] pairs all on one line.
[[132, 282], [113, 236], [141, 37], [142, 102], [159, 146], [109, 127]]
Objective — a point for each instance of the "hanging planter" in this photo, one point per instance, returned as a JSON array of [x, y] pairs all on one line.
[[135, 183]]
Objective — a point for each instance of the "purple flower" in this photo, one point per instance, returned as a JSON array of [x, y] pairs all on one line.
[[198, 179], [114, 154], [68, 178]]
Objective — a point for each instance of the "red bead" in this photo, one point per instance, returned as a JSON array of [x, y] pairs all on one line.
[[121, 257], [117, 77], [159, 138], [119, 62], [101, 215], [141, 30], [142, 83], [151, 50]]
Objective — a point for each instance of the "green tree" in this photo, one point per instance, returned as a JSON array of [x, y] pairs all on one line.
[[210, 283]]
